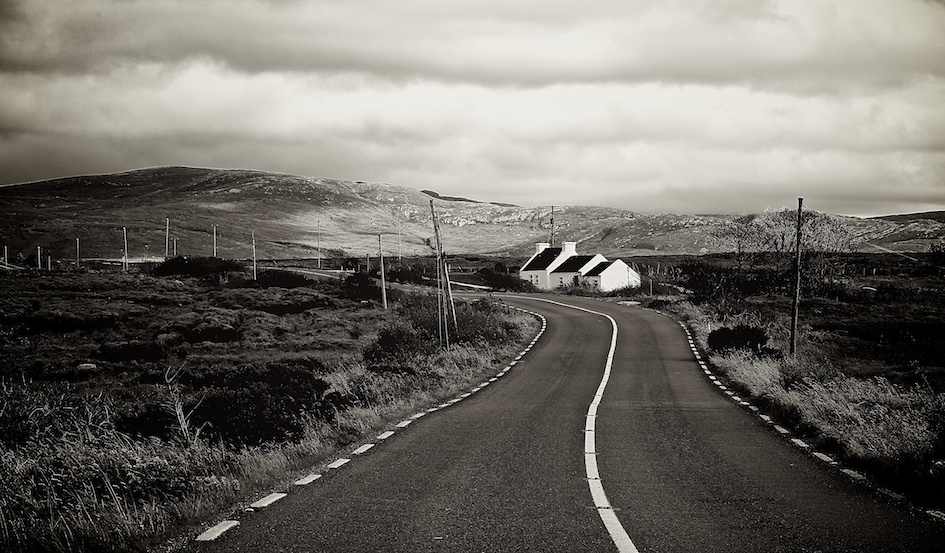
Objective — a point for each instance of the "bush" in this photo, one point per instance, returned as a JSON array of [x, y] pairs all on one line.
[[397, 341], [133, 350], [216, 325], [937, 253], [499, 279], [198, 267], [281, 279], [360, 286], [147, 420], [252, 405], [740, 337]]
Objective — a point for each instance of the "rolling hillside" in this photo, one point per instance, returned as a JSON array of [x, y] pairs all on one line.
[[290, 215]]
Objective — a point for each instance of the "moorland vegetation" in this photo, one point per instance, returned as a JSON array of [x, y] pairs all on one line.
[[868, 380], [135, 404]]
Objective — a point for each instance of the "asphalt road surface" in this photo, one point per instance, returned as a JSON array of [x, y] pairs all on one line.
[[674, 465]]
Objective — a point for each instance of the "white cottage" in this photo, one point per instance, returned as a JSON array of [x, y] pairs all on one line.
[[550, 268], [612, 275]]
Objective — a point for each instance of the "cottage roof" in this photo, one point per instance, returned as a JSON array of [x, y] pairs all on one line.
[[599, 268], [573, 264], [543, 260]]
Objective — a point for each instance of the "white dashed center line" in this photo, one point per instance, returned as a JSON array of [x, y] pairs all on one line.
[[604, 509]]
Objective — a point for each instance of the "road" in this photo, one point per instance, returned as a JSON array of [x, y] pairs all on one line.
[[683, 468]]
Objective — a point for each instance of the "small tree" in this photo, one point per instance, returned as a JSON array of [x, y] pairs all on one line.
[[771, 236], [937, 253]]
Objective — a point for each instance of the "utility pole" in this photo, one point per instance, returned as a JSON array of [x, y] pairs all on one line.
[[399, 248], [795, 309], [76, 253], [124, 232], [254, 254], [552, 226], [5, 258], [167, 237], [446, 309], [318, 227], [214, 240], [442, 327], [39, 258], [380, 255], [175, 247]]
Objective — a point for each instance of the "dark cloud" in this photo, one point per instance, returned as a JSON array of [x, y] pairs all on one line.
[[653, 105], [736, 42]]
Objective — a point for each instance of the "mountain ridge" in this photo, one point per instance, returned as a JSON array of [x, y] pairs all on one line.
[[292, 216]]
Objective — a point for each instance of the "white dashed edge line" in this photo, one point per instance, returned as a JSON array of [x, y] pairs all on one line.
[[363, 449], [937, 514], [338, 463], [217, 530], [307, 480], [854, 475], [268, 500]]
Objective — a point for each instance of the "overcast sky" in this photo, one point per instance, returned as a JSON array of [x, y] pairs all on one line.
[[688, 106]]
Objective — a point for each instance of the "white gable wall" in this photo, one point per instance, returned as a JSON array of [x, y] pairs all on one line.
[[617, 275]]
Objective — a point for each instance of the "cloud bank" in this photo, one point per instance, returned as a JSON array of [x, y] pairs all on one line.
[[687, 106]]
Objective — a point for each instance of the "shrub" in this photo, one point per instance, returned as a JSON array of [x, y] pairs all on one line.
[[217, 325], [252, 405], [360, 286], [132, 350], [740, 337], [499, 279], [281, 279], [485, 321], [198, 267], [146, 420], [398, 340], [937, 253]]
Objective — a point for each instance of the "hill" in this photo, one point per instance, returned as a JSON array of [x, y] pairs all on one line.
[[292, 215]]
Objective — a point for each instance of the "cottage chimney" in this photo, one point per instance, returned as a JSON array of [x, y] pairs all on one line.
[[569, 248], [540, 247]]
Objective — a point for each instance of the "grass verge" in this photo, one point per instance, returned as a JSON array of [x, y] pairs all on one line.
[[102, 448], [894, 431]]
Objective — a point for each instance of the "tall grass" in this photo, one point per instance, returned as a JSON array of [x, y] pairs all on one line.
[[896, 430], [72, 480]]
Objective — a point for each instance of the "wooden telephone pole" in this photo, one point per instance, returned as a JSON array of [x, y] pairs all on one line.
[[795, 308], [552, 226], [445, 307], [380, 255], [124, 233], [253, 233]]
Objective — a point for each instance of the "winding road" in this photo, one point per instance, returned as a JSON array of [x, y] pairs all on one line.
[[606, 436]]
